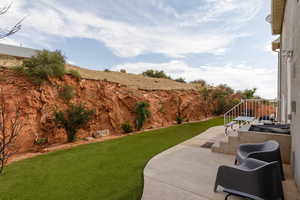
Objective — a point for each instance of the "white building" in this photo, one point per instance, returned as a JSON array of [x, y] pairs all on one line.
[[285, 20]]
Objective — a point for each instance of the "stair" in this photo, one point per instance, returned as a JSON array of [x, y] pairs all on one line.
[[257, 108], [229, 144]]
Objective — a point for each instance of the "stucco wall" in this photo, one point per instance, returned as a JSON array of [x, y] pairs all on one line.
[[291, 41], [17, 51]]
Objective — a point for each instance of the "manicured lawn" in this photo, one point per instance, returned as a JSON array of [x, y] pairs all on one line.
[[102, 171]]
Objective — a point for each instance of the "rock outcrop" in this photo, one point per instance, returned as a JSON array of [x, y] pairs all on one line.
[[114, 104]]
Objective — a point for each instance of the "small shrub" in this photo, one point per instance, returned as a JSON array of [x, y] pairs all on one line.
[[199, 82], [123, 70], [19, 69], [179, 119], [180, 80], [41, 141], [44, 65], [142, 113], [74, 118], [225, 88], [127, 128], [107, 70], [75, 74], [155, 74], [67, 93]]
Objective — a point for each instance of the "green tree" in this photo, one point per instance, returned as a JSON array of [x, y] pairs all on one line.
[[44, 65], [142, 114], [155, 74], [226, 88], [75, 74], [249, 93], [180, 80], [74, 118], [67, 93], [219, 96], [200, 82], [206, 93]]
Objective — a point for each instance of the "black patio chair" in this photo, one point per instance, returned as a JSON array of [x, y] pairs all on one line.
[[268, 151], [253, 179]]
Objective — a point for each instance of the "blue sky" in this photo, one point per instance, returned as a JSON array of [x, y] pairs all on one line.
[[220, 41]]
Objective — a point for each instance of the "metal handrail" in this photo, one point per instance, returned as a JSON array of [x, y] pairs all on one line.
[[252, 108]]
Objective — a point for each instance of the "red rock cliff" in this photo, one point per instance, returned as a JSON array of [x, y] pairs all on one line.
[[113, 103]]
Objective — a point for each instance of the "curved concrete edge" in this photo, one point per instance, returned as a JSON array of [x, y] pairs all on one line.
[[179, 173]]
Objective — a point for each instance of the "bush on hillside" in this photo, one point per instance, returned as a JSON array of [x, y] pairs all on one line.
[[155, 74], [127, 128], [44, 65], [200, 82], [75, 74], [41, 141], [142, 114], [18, 69], [248, 93], [218, 100], [123, 71], [74, 118], [67, 93], [180, 80], [107, 70], [225, 88], [179, 119]]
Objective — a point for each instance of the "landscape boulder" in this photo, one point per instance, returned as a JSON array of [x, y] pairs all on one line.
[[101, 133]]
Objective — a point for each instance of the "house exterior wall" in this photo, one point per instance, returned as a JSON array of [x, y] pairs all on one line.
[[16, 51], [279, 87], [291, 42]]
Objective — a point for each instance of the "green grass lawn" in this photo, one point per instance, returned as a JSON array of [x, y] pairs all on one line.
[[100, 171]]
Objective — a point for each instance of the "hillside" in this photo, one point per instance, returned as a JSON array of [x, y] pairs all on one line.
[[130, 80], [133, 80], [113, 103]]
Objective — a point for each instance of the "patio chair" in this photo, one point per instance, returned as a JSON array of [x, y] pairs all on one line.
[[253, 179], [268, 151]]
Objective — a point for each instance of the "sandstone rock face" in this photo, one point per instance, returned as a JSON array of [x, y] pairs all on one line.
[[113, 103]]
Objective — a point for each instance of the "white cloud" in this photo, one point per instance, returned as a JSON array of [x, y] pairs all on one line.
[[10, 41], [134, 27], [237, 76], [150, 27]]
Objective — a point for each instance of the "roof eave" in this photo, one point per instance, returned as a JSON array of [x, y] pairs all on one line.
[[277, 14]]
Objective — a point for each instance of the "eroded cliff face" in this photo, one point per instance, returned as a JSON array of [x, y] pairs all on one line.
[[113, 103]]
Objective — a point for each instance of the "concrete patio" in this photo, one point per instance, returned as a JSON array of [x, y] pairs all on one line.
[[187, 171]]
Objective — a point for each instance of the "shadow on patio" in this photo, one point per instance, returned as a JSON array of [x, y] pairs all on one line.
[[188, 171]]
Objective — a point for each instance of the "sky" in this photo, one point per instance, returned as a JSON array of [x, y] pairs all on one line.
[[219, 41]]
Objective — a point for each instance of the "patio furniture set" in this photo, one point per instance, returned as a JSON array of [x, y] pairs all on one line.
[[257, 173]]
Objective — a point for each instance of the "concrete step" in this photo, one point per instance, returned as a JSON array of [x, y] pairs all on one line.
[[227, 145], [217, 145], [233, 139]]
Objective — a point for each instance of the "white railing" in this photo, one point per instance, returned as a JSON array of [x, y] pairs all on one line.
[[258, 108]]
